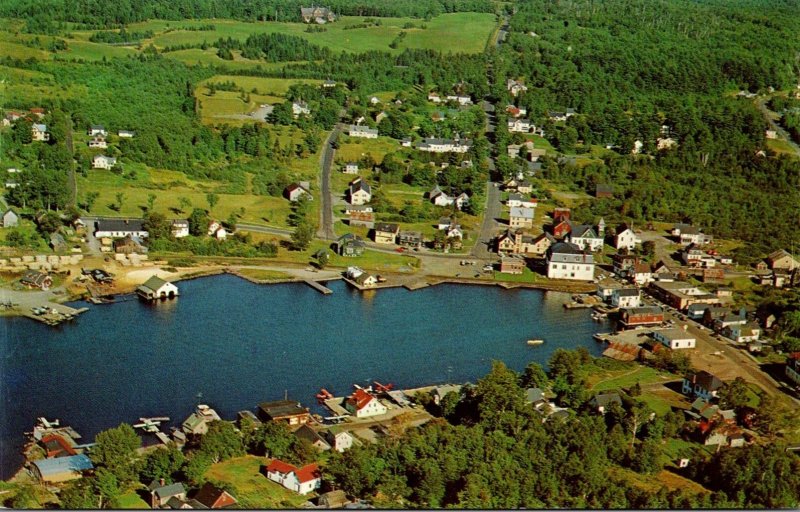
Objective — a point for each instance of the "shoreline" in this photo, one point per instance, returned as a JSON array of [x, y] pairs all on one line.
[[397, 280]]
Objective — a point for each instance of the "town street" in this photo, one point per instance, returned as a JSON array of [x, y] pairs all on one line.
[[326, 231]]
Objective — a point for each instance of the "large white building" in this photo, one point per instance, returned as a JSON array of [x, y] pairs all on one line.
[[362, 131], [362, 405], [120, 228], [103, 162], [300, 480], [568, 261], [675, 338], [444, 145]]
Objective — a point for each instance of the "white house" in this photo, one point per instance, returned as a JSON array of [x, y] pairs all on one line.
[[626, 238], [516, 200], [156, 288], [351, 168], [568, 261], [626, 298], [520, 125], [97, 129], [675, 338], [362, 131], [742, 333], [300, 480], [701, 384], [39, 132], [103, 162], [217, 230], [300, 109], [180, 228], [340, 440], [434, 97], [461, 100], [294, 191], [515, 87], [362, 404], [360, 192], [126, 134]]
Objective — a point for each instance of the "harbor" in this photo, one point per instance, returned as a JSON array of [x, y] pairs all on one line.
[[233, 357]]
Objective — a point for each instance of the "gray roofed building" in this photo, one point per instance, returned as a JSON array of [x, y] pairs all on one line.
[[119, 228], [308, 434], [604, 400], [60, 469]]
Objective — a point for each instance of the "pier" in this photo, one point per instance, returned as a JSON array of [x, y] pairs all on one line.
[[53, 314], [318, 286]]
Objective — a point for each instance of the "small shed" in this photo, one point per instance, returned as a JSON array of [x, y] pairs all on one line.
[[10, 219]]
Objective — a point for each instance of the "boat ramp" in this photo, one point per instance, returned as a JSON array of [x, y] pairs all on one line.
[[317, 285]]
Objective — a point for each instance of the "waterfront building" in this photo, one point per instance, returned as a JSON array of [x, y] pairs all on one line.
[[626, 298], [568, 261], [641, 316], [362, 404], [156, 288], [197, 423], [286, 411], [36, 279], [680, 294], [61, 469], [512, 264]]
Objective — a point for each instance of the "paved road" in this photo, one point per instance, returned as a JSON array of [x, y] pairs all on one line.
[[72, 181], [326, 231], [761, 103], [483, 247]]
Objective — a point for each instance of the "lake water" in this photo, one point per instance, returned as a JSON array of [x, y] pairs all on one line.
[[232, 344]]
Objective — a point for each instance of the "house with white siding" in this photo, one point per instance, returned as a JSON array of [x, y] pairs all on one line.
[[103, 162], [362, 405], [362, 131], [567, 261], [300, 480]]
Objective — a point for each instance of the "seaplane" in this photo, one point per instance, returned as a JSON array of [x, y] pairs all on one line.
[[45, 423], [382, 388], [151, 424], [323, 395]]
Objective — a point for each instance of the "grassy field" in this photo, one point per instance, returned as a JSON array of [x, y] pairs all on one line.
[[251, 488], [352, 149], [623, 379], [457, 32], [169, 186]]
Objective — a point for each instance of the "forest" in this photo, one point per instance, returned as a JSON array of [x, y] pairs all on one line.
[[51, 14], [665, 69]]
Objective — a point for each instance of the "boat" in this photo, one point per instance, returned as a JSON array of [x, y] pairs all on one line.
[[535, 342]]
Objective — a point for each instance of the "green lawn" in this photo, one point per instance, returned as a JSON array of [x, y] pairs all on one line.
[[264, 275], [131, 500], [623, 379], [527, 276], [352, 149], [251, 488]]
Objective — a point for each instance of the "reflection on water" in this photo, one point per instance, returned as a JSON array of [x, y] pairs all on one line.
[[239, 343]]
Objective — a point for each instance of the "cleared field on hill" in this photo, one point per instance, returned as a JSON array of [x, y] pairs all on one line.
[[456, 32]]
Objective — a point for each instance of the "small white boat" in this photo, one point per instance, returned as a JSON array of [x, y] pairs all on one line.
[[535, 342]]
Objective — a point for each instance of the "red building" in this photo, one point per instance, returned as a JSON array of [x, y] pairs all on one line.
[[560, 214], [643, 316], [561, 229]]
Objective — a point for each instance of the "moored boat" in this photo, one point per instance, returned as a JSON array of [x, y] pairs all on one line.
[[535, 342]]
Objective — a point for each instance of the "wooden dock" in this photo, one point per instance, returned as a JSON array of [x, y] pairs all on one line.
[[318, 286], [56, 314]]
